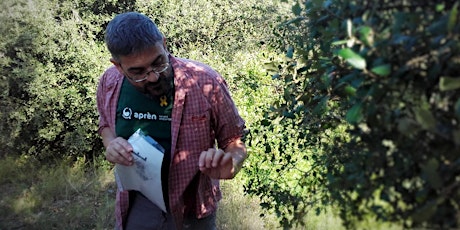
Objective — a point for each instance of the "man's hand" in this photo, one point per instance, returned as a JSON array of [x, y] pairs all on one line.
[[223, 164], [119, 151]]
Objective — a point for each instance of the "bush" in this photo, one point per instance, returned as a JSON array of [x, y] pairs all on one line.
[[386, 74], [51, 66]]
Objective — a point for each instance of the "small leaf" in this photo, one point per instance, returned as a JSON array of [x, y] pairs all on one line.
[[355, 114], [290, 52], [449, 83], [440, 7], [430, 172], [350, 90], [452, 18], [382, 70], [353, 58], [271, 66], [425, 118], [457, 108], [340, 42], [296, 9], [321, 107], [367, 35], [349, 28]]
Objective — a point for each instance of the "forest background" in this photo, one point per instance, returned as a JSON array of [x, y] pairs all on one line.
[[353, 109]]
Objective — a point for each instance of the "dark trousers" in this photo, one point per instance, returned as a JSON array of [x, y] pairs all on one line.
[[144, 215]]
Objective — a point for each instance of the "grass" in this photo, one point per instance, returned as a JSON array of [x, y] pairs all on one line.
[[63, 195], [77, 195]]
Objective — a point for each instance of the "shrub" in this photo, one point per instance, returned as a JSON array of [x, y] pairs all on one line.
[[51, 66], [387, 74]]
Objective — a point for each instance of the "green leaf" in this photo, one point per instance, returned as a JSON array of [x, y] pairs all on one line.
[[321, 107], [270, 66], [408, 127], [355, 114], [349, 28], [290, 52], [353, 58], [452, 18], [430, 172], [440, 7], [449, 83], [340, 42], [367, 35], [457, 108], [425, 118], [382, 70], [350, 90], [296, 9]]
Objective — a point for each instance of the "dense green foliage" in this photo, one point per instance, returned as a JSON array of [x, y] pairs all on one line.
[[49, 64], [362, 112], [52, 53], [369, 115]]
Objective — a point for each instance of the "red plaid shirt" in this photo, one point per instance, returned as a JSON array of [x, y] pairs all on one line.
[[203, 113]]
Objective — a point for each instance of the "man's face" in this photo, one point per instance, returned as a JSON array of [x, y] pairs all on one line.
[[148, 71]]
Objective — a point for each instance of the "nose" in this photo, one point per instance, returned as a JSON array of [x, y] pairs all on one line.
[[152, 79]]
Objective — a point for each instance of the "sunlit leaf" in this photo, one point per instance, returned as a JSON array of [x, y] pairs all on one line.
[[341, 42], [350, 90], [355, 114], [452, 18], [449, 83], [353, 58], [382, 70], [367, 35], [294, 21], [349, 28], [440, 7]]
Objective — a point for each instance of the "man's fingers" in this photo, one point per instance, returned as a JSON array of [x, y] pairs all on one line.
[[208, 158], [227, 159], [217, 157], [201, 160], [119, 151]]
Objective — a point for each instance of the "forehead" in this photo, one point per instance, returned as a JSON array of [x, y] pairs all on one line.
[[144, 58]]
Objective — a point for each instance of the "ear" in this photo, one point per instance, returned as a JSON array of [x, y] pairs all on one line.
[[164, 44], [116, 64]]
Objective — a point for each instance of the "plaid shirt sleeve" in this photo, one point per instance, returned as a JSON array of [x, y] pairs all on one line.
[[107, 94]]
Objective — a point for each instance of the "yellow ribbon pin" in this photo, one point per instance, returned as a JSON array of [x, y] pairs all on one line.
[[163, 101]]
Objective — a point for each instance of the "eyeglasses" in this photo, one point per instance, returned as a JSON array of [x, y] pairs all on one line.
[[156, 69]]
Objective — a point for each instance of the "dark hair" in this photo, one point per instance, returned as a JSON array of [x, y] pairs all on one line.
[[130, 33]]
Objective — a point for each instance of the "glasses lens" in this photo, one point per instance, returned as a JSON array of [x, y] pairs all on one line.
[[161, 68], [156, 69]]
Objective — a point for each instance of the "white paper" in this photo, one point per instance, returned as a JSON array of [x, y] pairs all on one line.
[[145, 174]]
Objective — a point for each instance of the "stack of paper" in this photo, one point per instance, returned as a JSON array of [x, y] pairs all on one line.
[[145, 174]]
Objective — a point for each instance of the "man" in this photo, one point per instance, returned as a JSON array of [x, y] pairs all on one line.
[[186, 107]]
